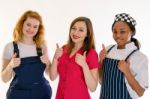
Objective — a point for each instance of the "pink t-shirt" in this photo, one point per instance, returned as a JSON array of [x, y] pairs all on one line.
[[71, 79]]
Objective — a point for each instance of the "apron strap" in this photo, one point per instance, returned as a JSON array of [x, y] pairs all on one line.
[[110, 48], [130, 54], [39, 51], [16, 50]]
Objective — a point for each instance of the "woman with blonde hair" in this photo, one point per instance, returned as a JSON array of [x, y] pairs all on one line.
[[25, 60]]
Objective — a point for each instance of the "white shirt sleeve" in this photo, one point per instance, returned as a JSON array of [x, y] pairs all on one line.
[[139, 69], [142, 72], [8, 51]]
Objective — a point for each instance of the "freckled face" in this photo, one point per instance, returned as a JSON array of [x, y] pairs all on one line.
[[30, 27]]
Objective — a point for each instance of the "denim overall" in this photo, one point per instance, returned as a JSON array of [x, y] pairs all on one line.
[[113, 81], [29, 81]]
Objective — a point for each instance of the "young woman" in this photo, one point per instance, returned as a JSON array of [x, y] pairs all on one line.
[[25, 59], [76, 63], [124, 66]]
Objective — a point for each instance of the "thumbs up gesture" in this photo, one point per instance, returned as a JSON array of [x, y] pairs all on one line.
[[58, 52], [81, 59], [15, 62], [44, 58], [103, 53]]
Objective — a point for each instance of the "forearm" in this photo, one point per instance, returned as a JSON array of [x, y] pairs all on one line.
[[134, 84], [6, 74], [53, 70], [90, 80], [100, 75], [47, 70]]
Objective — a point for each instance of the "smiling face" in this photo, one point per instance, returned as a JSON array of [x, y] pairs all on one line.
[[30, 27], [78, 32], [121, 33]]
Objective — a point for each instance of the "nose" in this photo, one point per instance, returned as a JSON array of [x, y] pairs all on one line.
[[31, 28], [117, 34], [75, 31]]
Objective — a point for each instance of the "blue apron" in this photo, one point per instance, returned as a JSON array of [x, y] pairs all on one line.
[[113, 81], [29, 81]]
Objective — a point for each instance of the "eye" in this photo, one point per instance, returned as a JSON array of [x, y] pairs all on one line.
[[81, 30], [28, 24], [122, 32], [36, 26], [73, 28], [114, 32]]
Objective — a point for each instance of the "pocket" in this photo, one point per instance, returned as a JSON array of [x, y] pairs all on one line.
[[18, 94]]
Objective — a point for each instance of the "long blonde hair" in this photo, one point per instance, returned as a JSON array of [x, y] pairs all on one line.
[[18, 33]]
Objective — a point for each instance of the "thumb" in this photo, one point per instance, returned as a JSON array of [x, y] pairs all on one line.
[[14, 55], [104, 48], [84, 54], [57, 45], [128, 62], [43, 51]]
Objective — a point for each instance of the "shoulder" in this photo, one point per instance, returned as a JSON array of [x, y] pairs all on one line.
[[92, 59], [139, 57], [8, 50], [138, 61], [92, 52], [9, 46]]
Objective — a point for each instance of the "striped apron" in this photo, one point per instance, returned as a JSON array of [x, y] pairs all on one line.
[[113, 80]]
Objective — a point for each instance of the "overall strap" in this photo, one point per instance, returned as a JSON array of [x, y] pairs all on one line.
[[130, 54], [39, 51], [110, 48], [16, 50]]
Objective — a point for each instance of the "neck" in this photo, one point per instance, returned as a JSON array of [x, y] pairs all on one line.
[[28, 41], [120, 47], [78, 46], [123, 46]]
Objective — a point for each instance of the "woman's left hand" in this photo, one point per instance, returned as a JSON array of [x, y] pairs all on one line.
[[81, 59], [124, 66], [44, 58]]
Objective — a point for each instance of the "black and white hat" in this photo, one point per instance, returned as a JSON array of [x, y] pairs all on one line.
[[125, 17]]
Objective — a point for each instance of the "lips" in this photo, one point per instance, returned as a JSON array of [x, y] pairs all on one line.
[[75, 37], [29, 32]]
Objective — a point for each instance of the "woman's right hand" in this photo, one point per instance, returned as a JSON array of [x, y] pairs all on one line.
[[58, 52], [103, 54], [15, 62]]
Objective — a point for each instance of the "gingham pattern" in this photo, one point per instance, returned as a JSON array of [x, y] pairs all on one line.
[[125, 17]]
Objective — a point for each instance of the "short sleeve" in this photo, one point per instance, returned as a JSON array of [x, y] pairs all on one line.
[[8, 51], [142, 76], [92, 59], [139, 67]]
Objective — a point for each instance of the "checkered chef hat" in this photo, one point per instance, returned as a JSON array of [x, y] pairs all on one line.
[[126, 18]]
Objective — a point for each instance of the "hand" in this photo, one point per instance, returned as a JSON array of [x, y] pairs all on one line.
[[44, 58], [58, 52], [103, 53], [14, 62], [81, 59], [124, 66]]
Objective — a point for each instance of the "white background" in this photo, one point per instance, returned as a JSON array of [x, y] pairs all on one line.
[[57, 16]]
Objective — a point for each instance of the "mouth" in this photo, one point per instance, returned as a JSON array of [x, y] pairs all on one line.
[[75, 37], [29, 32]]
